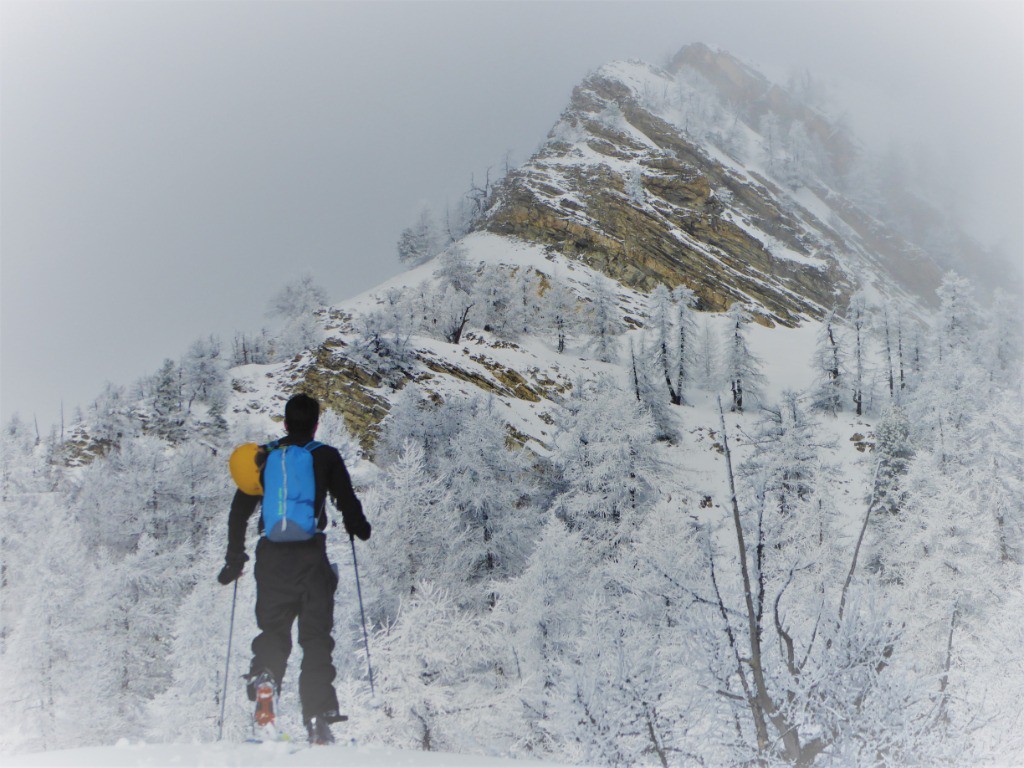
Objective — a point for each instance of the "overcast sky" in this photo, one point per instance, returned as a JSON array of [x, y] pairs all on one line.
[[165, 167]]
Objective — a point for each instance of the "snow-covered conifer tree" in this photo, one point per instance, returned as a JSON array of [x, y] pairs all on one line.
[[561, 312], [296, 304], [740, 366], [421, 241], [1004, 340], [490, 486], [708, 354], [111, 417], [609, 465], [525, 313], [829, 368], [418, 536], [665, 337], [252, 348], [605, 320], [634, 186], [684, 299], [494, 299], [204, 372], [454, 270], [857, 318], [383, 344], [167, 404], [649, 387], [894, 451], [435, 664], [785, 461], [190, 706]]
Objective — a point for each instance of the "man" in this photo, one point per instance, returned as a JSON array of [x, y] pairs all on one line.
[[294, 579]]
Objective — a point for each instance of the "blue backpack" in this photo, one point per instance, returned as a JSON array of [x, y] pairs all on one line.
[[289, 492]]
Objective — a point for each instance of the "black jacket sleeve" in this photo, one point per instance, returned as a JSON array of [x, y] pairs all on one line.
[[339, 485], [242, 507]]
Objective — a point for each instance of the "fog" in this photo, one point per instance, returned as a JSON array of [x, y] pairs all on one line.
[[165, 167]]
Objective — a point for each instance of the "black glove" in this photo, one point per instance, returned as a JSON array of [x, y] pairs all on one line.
[[358, 528], [232, 569]]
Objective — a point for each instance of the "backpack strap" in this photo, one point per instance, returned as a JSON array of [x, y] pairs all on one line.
[[311, 446]]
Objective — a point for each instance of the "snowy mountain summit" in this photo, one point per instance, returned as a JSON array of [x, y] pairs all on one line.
[[682, 444], [707, 174]]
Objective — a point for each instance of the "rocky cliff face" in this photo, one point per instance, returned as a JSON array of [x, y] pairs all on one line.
[[708, 175]]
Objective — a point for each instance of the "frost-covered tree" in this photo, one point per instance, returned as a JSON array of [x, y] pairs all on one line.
[[649, 388], [540, 607], [296, 304], [46, 642], [605, 320], [1003, 339], [490, 485], [417, 534], [298, 299], [894, 450], [662, 330], [771, 132], [437, 663], [525, 312], [829, 368], [252, 348], [417, 418], [455, 271], [633, 185], [205, 379], [111, 416], [421, 241], [951, 382], [785, 462], [561, 312], [958, 313], [857, 314], [190, 706], [202, 370], [674, 333], [126, 494], [494, 300], [740, 366], [132, 619], [383, 344], [809, 661], [167, 404], [708, 356], [465, 448], [684, 300], [608, 463]]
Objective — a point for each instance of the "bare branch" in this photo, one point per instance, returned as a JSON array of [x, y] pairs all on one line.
[[860, 541]]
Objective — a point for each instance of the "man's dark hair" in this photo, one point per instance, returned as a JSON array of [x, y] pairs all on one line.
[[301, 414]]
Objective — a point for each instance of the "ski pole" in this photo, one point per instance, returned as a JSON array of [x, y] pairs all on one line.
[[227, 664], [362, 615]]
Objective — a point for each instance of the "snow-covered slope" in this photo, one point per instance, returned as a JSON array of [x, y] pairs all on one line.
[[127, 755]]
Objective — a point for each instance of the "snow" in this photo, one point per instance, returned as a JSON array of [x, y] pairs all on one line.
[[694, 467], [125, 755]]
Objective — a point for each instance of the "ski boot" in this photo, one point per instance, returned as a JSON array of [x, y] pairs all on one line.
[[263, 691], [319, 727]]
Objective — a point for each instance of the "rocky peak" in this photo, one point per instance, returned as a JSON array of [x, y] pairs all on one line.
[[706, 174]]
